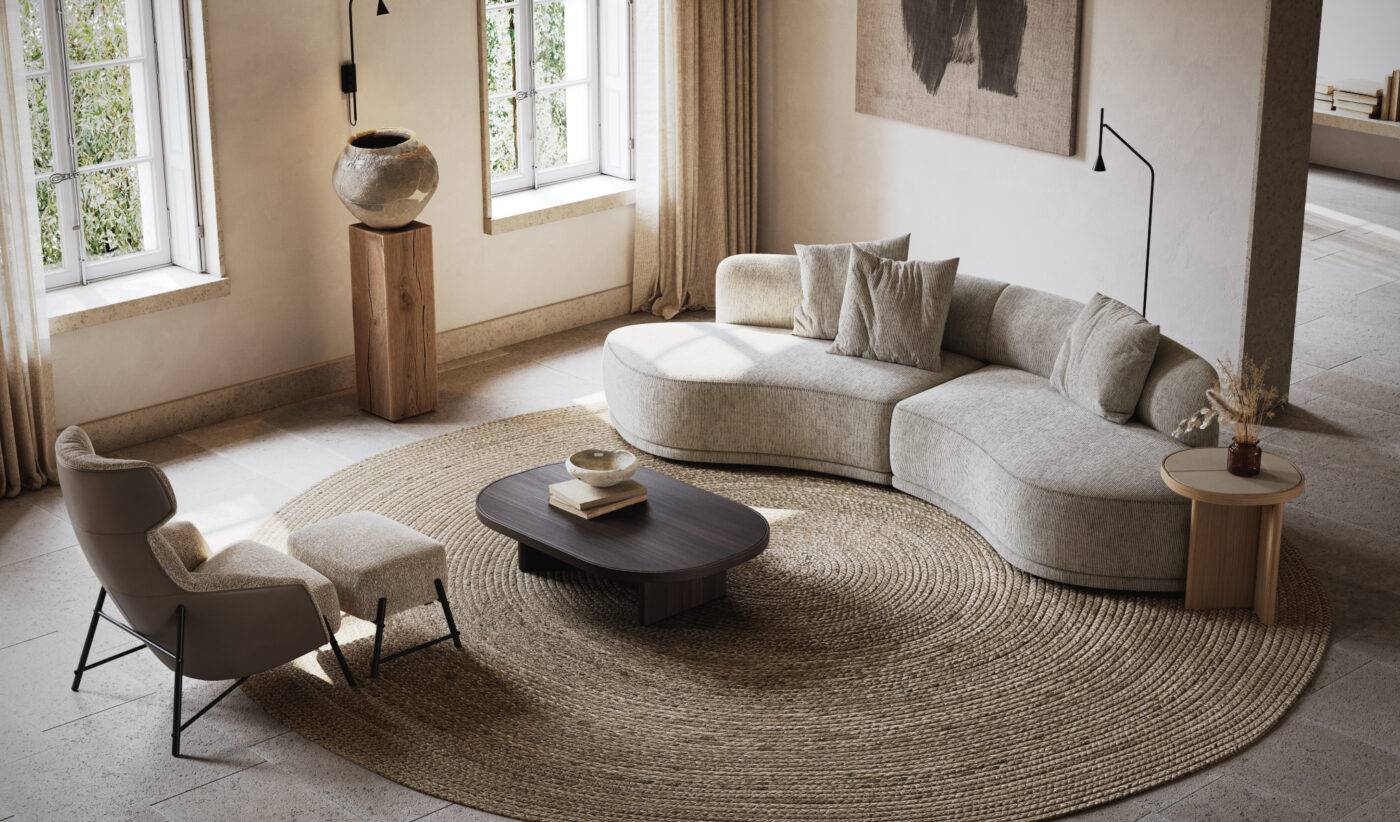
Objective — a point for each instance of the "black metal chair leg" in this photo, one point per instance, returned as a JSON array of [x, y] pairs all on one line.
[[87, 643], [339, 656], [175, 726], [447, 613], [378, 637]]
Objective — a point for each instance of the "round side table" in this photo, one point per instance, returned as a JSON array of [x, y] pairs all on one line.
[[1236, 528]]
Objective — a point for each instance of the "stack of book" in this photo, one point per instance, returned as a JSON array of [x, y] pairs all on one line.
[[587, 501], [1390, 105], [1357, 97], [1322, 95]]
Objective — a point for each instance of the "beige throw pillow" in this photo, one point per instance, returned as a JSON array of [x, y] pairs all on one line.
[[1103, 362], [824, 270], [895, 311]]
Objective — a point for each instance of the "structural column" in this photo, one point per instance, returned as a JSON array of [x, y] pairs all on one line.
[[1280, 186], [395, 328]]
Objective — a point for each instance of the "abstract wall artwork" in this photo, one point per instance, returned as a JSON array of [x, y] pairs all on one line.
[[1004, 70]]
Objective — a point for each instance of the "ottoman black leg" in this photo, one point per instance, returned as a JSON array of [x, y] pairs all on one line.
[[339, 657], [378, 638], [447, 613]]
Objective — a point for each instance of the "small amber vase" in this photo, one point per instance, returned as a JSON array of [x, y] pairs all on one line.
[[1243, 458]]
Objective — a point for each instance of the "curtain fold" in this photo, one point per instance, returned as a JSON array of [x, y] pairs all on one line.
[[26, 389], [697, 141]]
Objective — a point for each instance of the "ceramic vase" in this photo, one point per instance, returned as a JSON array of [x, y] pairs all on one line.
[[385, 176]]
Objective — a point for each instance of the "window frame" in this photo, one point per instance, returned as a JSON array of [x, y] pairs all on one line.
[[57, 73], [529, 175]]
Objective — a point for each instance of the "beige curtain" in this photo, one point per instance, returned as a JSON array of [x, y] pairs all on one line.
[[26, 392], [697, 143]]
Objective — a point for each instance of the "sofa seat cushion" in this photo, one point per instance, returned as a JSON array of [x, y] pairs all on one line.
[[741, 394], [1057, 490]]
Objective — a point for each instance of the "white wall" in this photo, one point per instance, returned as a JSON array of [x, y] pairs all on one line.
[[279, 123], [1179, 78], [1360, 38]]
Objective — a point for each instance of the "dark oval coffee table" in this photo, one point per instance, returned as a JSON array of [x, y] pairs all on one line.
[[676, 547]]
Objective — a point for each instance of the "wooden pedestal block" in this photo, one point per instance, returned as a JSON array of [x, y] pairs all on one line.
[[391, 290]]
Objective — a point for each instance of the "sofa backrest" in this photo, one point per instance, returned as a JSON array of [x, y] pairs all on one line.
[[1028, 327], [970, 315], [990, 321], [1176, 389]]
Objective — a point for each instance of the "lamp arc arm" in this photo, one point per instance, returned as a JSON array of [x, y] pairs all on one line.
[[1151, 197]]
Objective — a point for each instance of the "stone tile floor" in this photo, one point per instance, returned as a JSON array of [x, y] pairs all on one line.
[[102, 753]]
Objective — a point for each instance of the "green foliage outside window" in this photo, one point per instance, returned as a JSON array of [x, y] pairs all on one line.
[[501, 77], [551, 116], [104, 124]]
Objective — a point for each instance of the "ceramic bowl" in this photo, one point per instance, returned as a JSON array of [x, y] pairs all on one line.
[[601, 468]]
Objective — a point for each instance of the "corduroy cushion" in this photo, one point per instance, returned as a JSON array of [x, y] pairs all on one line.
[[824, 269], [369, 557], [895, 311], [1104, 360]]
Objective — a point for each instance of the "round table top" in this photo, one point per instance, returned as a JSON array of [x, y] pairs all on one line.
[[1200, 474]]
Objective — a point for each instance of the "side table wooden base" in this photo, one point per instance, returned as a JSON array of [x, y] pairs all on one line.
[[1236, 528], [1233, 558]]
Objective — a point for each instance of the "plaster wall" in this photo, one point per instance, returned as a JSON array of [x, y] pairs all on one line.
[[828, 174], [278, 122]]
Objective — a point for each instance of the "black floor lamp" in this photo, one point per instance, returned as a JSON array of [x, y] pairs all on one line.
[[1151, 191]]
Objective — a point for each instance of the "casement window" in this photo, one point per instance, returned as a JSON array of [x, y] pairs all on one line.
[[107, 83], [558, 91]]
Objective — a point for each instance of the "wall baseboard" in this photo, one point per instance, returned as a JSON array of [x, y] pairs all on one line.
[[177, 416]]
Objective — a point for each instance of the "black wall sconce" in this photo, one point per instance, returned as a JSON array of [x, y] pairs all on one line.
[[348, 83], [1151, 191]]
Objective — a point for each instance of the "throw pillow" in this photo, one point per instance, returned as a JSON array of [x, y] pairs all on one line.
[[895, 311], [824, 270], [1103, 362]]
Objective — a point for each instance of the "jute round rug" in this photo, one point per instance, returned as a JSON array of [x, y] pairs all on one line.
[[877, 661]]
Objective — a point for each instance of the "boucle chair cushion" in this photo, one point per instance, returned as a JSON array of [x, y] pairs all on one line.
[[895, 311], [187, 543], [823, 270], [370, 557], [1104, 360], [248, 564]]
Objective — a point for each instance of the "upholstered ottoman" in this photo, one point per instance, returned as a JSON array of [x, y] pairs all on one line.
[[379, 567]]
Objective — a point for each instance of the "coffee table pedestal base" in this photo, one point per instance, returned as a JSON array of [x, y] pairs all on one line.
[[658, 600], [662, 599]]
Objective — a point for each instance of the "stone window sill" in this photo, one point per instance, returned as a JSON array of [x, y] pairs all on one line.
[[524, 209], [132, 295]]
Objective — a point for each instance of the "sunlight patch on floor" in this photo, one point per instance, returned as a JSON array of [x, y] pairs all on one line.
[[777, 515]]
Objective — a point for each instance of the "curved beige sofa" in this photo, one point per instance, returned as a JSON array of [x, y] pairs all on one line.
[[1057, 490]]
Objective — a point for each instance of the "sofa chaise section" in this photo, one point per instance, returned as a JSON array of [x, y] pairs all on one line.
[[710, 392], [1058, 492]]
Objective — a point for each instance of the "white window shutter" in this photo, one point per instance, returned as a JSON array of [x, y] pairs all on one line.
[[186, 248], [615, 87]]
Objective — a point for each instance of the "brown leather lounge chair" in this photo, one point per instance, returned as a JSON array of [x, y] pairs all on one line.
[[241, 611]]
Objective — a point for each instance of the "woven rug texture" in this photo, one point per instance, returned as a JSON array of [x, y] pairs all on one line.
[[878, 661]]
